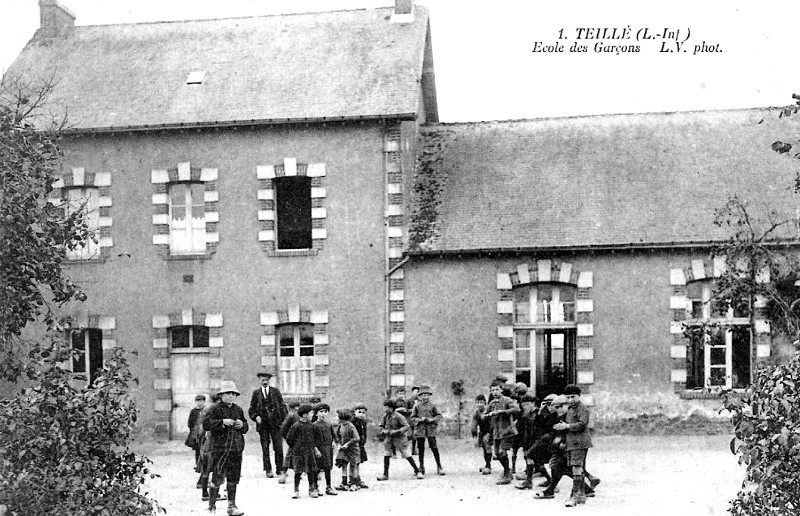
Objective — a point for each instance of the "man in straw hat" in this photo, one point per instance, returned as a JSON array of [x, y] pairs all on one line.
[[227, 425], [268, 411]]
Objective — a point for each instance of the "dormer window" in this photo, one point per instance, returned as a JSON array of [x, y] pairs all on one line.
[[196, 77]]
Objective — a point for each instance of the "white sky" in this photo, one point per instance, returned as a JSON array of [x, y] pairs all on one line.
[[485, 67]]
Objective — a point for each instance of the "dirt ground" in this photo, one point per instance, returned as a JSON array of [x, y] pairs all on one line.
[[687, 475]]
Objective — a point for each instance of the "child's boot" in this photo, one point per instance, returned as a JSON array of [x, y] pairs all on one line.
[[330, 491], [385, 475], [232, 509], [578, 495], [213, 493]]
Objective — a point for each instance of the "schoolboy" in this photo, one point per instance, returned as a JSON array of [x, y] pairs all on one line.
[[360, 422], [291, 418], [425, 418], [519, 389], [192, 440], [559, 460], [482, 429], [303, 440], [349, 454], [326, 444], [578, 441], [541, 451], [205, 461], [501, 411], [394, 430], [409, 406], [527, 436], [227, 424]]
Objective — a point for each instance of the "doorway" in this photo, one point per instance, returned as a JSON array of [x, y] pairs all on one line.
[[545, 359], [189, 377]]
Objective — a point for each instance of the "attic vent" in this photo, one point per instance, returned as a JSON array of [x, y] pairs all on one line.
[[196, 77]]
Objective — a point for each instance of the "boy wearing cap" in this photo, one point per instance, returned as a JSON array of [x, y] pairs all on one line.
[[360, 422], [482, 429], [519, 390], [227, 425], [349, 453], [577, 441], [425, 417], [501, 411], [394, 430], [192, 440], [268, 412], [326, 440], [304, 440], [290, 419]]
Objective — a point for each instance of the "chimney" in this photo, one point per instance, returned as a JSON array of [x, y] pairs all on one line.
[[403, 11], [55, 19]]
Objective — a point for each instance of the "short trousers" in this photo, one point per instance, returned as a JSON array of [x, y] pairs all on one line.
[[504, 444], [396, 444], [577, 457]]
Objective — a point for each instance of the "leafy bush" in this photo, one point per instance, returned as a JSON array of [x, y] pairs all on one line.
[[65, 451], [767, 423]]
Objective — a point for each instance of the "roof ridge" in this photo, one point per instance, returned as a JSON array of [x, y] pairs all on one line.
[[231, 17], [600, 115]]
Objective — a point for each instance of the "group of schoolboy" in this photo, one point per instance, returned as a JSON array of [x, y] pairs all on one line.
[[220, 427], [552, 432]]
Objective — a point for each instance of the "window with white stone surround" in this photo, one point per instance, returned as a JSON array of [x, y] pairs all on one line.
[[85, 199], [185, 215], [545, 331], [296, 358], [89, 192], [291, 208]]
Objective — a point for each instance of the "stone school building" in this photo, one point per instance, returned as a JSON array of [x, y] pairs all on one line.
[[277, 194]]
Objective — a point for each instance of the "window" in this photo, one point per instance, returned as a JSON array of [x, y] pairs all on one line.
[[545, 336], [720, 357], [85, 199], [544, 303], [293, 206], [188, 337], [87, 358], [187, 230], [296, 356]]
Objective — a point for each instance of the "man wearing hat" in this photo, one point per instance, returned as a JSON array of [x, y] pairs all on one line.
[[268, 411], [227, 425], [425, 418]]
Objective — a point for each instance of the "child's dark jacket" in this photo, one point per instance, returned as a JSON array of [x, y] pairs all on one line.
[[326, 440], [304, 439], [361, 428], [225, 438], [288, 422]]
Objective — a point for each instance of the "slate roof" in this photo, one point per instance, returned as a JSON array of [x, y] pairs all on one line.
[[598, 181], [332, 65]]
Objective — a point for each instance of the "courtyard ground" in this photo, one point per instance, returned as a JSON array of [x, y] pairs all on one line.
[[686, 475]]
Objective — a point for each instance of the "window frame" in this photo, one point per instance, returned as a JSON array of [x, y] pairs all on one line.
[[727, 323], [290, 379], [89, 202], [189, 205], [85, 352], [191, 348]]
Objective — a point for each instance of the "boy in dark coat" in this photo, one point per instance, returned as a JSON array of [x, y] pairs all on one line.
[[326, 440], [425, 418], [360, 422], [349, 455], [578, 441], [528, 436], [303, 439], [291, 418], [199, 404], [502, 410], [227, 424], [394, 430], [519, 389], [482, 429]]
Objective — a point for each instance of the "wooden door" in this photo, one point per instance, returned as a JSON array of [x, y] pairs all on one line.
[[189, 372]]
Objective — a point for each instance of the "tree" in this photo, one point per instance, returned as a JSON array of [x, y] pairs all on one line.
[[34, 234], [761, 262]]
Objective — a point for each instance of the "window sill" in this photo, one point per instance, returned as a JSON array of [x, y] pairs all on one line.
[[83, 261], [293, 252], [707, 395], [185, 257], [188, 350]]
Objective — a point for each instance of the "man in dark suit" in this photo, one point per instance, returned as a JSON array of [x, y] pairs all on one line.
[[268, 411]]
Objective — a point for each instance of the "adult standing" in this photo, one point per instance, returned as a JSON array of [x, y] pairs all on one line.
[[268, 411]]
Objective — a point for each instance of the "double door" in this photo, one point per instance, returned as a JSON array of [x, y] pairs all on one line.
[[545, 359]]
